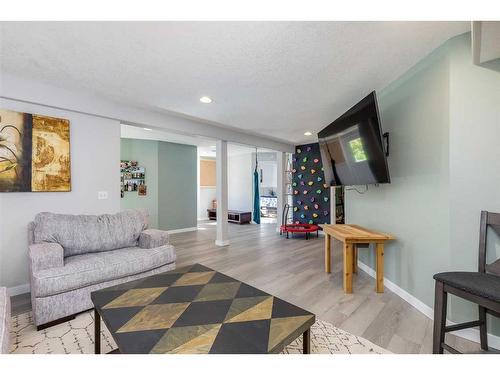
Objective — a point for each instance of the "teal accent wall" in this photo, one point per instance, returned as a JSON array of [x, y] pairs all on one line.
[[443, 116], [171, 182], [177, 179], [146, 153]]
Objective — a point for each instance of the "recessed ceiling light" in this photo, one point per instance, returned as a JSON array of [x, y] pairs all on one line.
[[206, 100], [308, 134], [148, 129]]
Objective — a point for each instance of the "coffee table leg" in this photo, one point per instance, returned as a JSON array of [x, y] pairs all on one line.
[[97, 332], [306, 342]]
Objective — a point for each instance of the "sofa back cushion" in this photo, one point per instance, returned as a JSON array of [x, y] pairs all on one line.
[[81, 234]]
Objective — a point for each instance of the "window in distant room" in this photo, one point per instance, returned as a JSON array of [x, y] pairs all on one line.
[[357, 150]]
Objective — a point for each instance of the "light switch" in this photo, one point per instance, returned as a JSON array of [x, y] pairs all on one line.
[[102, 195]]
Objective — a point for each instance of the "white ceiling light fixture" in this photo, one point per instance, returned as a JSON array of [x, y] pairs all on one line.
[[148, 129], [307, 134], [206, 100]]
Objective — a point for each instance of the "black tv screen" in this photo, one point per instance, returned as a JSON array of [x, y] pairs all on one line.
[[351, 147]]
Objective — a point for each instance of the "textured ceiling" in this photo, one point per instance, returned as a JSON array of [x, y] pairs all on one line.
[[278, 79]]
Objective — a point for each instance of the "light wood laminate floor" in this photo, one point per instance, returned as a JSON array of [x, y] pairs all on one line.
[[293, 270]]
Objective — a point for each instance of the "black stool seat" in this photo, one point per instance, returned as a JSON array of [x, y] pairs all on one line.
[[477, 283]]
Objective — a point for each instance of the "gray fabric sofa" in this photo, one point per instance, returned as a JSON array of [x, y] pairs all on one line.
[[4, 321], [71, 256]]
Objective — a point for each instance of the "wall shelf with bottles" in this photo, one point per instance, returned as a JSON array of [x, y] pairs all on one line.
[[132, 177]]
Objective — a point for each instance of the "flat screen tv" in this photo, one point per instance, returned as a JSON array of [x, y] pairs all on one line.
[[351, 147]]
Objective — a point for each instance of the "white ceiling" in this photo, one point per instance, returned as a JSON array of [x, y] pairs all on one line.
[[277, 79]]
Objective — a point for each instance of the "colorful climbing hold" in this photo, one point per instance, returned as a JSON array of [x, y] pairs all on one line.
[[316, 161], [302, 183], [310, 221], [325, 199], [310, 183], [302, 167], [316, 206], [313, 171], [319, 179], [295, 192], [294, 170], [308, 148], [318, 191], [299, 151], [300, 175], [306, 207], [295, 209], [315, 215], [325, 213], [305, 159], [299, 202], [305, 192], [302, 216], [313, 199], [294, 184], [325, 186]]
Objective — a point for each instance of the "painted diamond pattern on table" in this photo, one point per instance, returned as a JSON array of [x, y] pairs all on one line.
[[219, 291], [260, 311], [194, 278], [135, 297], [195, 309], [155, 317]]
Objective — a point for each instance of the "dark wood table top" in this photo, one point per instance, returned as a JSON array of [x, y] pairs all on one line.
[[195, 309]]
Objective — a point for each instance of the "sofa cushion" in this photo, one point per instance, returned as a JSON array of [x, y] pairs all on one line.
[[81, 234], [4, 321], [83, 270]]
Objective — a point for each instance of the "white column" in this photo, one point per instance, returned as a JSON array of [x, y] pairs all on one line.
[[221, 167], [281, 188]]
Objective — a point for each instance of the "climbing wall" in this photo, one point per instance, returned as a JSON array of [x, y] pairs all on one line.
[[311, 196]]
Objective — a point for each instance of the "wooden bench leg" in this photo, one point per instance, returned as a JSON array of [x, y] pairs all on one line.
[[348, 255], [380, 267], [355, 258], [440, 304], [328, 254]]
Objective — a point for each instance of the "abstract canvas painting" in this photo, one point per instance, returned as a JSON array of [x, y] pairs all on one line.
[[34, 153]]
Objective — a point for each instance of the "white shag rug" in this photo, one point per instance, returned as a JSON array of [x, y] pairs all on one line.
[[77, 337]]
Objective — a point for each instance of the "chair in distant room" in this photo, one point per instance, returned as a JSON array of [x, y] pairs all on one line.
[[481, 288]]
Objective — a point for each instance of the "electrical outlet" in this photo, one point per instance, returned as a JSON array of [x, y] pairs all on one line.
[[102, 195]]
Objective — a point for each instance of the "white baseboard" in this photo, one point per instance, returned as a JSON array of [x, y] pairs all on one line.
[[221, 243], [18, 289], [182, 230], [469, 333]]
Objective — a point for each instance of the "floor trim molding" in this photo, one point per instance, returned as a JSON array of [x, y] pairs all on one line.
[[182, 230], [469, 334], [18, 289]]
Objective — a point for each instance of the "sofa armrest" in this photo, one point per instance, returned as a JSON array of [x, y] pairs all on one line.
[[151, 238], [46, 255]]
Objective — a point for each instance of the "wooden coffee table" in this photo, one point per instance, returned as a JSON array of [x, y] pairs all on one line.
[[195, 309]]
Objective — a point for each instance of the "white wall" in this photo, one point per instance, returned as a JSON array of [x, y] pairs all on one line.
[[95, 157], [415, 205], [444, 120], [474, 162], [207, 195], [240, 182]]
